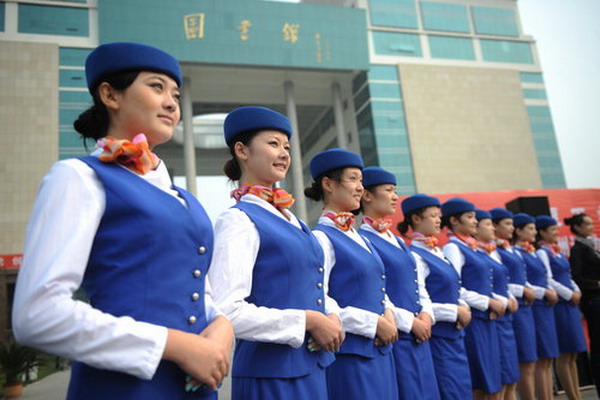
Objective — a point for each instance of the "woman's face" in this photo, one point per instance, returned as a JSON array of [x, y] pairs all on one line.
[[466, 224], [381, 201], [485, 230], [505, 229], [150, 105], [428, 222], [586, 228], [526, 232], [266, 159], [344, 195], [549, 234]]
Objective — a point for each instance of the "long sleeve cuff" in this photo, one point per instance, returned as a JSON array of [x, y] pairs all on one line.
[[445, 312]]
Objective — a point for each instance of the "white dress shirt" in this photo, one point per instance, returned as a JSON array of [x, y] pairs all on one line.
[[404, 318], [237, 242], [561, 289], [355, 320], [474, 299], [66, 215], [445, 312]]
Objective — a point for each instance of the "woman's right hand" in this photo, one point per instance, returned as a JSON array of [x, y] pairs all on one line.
[[463, 316], [326, 330], [386, 333], [421, 330], [551, 297], [203, 359], [528, 296], [496, 308]]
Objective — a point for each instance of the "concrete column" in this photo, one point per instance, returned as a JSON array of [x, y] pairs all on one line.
[[189, 150], [297, 178], [338, 112]]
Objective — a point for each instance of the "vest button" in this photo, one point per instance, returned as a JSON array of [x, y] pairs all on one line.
[[417, 291], [415, 270], [418, 302], [383, 302], [383, 276], [195, 296], [416, 281], [383, 289], [197, 273], [191, 320], [201, 249], [320, 285], [321, 270], [319, 301]]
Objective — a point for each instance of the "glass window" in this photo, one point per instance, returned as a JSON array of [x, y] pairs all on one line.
[[495, 21], [532, 77], [53, 20], [358, 81], [73, 57], [546, 147], [506, 51], [399, 13], [445, 17], [397, 44], [2, 12], [361, 97], [534, 94], [383, 73], [385, 90], [451, 48], [72, 78]]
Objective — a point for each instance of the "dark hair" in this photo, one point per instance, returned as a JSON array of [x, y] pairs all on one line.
[[446, 219], [370, 189], [315, 190], [575, 220], [496, 221], [93, 123], [408, 222], [232, 167]]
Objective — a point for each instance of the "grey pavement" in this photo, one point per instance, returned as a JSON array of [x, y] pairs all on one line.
[[54, 387]]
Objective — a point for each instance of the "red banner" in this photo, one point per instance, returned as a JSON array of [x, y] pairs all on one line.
[[11, 260], [563, 203]]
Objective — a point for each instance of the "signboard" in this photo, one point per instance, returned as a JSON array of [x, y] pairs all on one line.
[[8, 261]]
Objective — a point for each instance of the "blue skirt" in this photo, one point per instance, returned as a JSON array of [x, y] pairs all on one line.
[[451, 368], [524, 329], [569, 329], [353, 377], [309, 387], [545, 330], [483, 353], [509, 359], [414, 370]]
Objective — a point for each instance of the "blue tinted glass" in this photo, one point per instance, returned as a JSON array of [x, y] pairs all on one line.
[[495, 21], [451, 47], [506, 51], [53, 20], [397, 44], [400, 13], [2, 17], [383, 72], [384, 90], [73, 57], [445, 17], [72, 78], [532, 77], [534, 94]]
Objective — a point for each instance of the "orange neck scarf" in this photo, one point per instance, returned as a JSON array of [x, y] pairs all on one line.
[[278, 197], [430, 241], [381, 225], [343, 220], [134, 155]]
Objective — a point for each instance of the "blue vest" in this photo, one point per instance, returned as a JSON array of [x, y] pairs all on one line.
[[443, 286], [402, 285], [536, 270], [517, 273], [288, 274], [561, 270], [476, 275], [357, 279], [500, 281], [148, 261]]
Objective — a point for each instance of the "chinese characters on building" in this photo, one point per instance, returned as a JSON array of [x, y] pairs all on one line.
[[193, 25]]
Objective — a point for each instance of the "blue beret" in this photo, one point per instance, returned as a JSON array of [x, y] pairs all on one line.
[[522, 219], [482, 214], [456, 205], [115, 57], [373, 176], [331, 159], [251, 118], [417, 202], [499, 213], [544, 221]]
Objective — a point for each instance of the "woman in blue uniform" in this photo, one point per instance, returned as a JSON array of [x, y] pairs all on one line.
[[114, 224], [546, 298], [522, 320], [569, 329], [481, 338], [422, 214], [404, 286], [509, 363], [355, 279], [267, 271]]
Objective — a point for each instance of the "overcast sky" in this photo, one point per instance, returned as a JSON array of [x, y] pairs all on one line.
[[568, 41]]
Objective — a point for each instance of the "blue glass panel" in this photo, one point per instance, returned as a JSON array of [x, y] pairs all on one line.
[[546, 147], [397, 44], [506, 51], [385, 90], [445, 17], [532, 77], [399, 13], [534, 94], [73, 57], [451, 47], [72, 78], [53, 20], [383, 72], [495, 21], [2, 17]]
